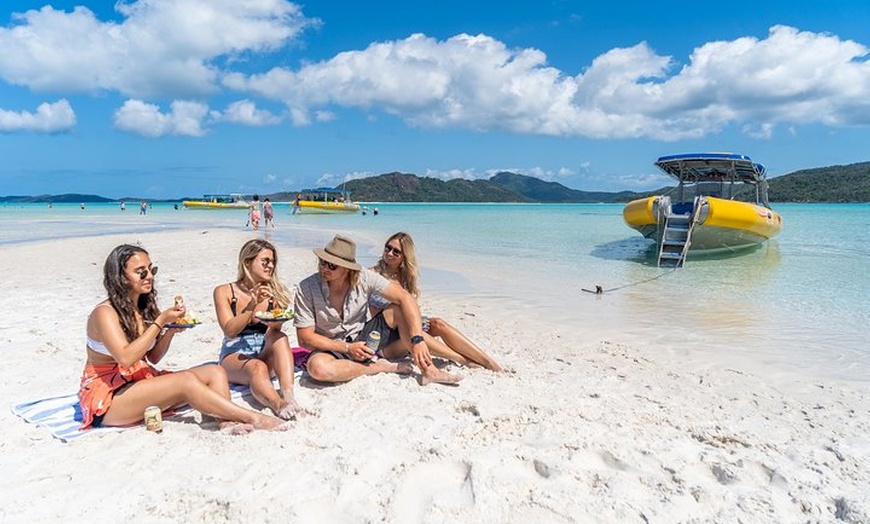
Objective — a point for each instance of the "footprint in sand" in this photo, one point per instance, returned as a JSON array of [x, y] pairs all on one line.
[[428, 485]]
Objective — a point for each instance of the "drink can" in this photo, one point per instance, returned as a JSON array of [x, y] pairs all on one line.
[[154, 419], [373, 340]]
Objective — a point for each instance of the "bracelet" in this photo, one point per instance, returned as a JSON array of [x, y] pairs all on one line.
[[155, 323]]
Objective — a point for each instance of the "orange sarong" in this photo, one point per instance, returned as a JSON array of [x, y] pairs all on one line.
[[99, 383]]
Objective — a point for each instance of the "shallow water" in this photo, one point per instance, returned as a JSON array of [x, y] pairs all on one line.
[[798, 303]]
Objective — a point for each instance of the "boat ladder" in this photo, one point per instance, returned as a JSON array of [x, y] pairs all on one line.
[[676, 238]]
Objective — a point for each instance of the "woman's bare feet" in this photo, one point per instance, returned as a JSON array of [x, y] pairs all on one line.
[[290, 410], [267, 422], [432, 374], [229, 427]]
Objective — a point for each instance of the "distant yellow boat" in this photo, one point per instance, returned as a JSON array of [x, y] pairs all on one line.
[[230, 201], [323, 201], [700, 215]]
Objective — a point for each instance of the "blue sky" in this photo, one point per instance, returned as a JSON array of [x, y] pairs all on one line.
[[171, 98]]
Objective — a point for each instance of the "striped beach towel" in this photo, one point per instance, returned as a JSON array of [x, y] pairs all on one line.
[[62, 415]]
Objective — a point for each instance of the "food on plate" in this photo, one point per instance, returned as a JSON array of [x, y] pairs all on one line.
[[274, 314]]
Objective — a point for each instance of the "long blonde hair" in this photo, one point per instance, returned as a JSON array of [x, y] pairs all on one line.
[[249, 251], [408, 274]]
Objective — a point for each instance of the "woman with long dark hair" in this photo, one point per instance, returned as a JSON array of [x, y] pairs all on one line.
[[126, 334]]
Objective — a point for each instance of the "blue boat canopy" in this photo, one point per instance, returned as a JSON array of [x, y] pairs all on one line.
[[703, 167]]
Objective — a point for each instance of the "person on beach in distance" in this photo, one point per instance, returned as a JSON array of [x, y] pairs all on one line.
[[252, 350], [399, 263], [126, 333], [331, 309], [268, 213], [254, 213]]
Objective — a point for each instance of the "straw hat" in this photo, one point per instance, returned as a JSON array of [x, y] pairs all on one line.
[[341, 251]]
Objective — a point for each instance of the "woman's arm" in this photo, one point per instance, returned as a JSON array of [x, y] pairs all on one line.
[[408, 304], [232, 324], [107, 327]]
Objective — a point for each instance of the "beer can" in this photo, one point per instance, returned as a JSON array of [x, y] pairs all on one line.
[[154, 419], [373, 340]]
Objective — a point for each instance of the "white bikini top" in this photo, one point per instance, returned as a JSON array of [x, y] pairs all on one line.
[[99, 347]]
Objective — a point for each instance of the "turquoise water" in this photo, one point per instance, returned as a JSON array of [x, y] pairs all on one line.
[[798, 303]]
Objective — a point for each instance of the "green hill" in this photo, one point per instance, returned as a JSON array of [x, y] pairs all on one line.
[[403, 187]]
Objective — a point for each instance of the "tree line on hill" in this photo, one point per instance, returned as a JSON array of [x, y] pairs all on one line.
[[849, 183]]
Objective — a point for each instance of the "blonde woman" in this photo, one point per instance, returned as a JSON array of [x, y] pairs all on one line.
[[253, 350], [399, 263]]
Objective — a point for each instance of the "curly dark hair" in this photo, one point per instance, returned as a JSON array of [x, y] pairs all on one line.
[[118, 289]]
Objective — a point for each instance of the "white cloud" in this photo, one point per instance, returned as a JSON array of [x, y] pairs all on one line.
[[245, 112], [190, 49], [49, 118], [160, 48], [184, 119], [476, 82]]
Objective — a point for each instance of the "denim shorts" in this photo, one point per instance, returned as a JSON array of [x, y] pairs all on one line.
[[249, 345]]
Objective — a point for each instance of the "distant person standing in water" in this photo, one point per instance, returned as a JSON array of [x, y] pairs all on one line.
[[268, 213], [143, 208], [123, 206], [254, 211]]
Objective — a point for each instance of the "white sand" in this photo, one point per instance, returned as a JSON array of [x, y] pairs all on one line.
[[575, 431]]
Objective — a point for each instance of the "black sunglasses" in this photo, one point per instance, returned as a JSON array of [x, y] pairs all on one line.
[[330, 265], [144, 272], [390, 249]]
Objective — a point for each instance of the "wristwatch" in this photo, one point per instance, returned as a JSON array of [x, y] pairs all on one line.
[[416, 339]]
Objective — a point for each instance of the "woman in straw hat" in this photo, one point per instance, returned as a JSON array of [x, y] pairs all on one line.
[[331, 319]]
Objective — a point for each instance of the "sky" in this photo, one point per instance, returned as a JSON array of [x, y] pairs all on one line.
[[175, 98]]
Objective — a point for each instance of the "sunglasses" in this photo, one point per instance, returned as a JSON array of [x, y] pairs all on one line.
[[266, 262], [390, 249], [329, 265], [144, 272]]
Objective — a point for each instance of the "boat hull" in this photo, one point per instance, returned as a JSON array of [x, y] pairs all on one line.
[[324, 208], [723, 225], [196, 204]]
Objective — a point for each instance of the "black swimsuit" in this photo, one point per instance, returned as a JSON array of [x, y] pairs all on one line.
[[254, 327]]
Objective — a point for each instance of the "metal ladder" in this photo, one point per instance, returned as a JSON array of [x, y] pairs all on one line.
[[676, 237]]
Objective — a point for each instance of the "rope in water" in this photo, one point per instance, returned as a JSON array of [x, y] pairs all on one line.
[[599, 290]]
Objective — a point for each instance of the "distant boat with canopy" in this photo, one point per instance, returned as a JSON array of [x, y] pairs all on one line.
[[218, 201], [323, 201]]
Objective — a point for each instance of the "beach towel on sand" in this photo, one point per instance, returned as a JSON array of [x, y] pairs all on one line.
[[62, 415]]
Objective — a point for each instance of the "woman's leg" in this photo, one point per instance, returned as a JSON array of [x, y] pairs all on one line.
[[401, 348], [461, 344], [173, 389], [279, 356], [253, 372]]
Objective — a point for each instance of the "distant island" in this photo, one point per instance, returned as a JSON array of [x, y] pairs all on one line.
[[835, 184]]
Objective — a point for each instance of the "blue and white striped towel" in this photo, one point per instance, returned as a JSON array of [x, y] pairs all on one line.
[[62, 415]]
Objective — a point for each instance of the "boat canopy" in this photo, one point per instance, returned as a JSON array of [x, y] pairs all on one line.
[[704, 167], [714, 174]]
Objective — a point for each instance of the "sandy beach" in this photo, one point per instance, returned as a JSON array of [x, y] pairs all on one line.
[[577, 429]]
